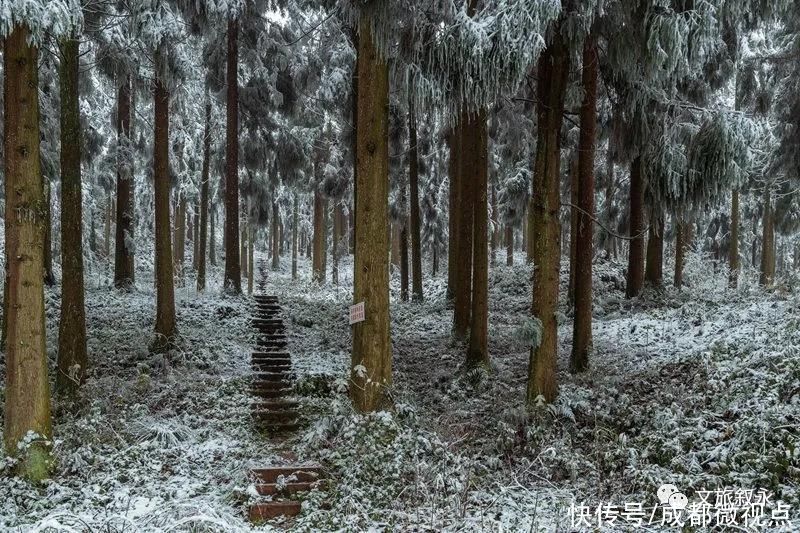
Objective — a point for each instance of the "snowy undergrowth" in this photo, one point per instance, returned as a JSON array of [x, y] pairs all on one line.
[[158, 442]]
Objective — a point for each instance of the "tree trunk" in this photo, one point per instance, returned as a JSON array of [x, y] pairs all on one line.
[[318, 245], [553, 69], [654, 274], [733, 248], [165, 329], [233, 279], [371, 370], [72, 357], [201, 247], [49, 277], [509, 245], [636, 253], [251, 234], [608, 205], [295, 221], [212, 237], [180, 237], [27, 389], [435, 262], [124, 277], [573, 227], [107, 228], [196, 236], [276, 237], [454, 169], [477, 173], [325, 226], [413, 177], [683, 236], [584, 245], [768, 243], [495, 224], [404, 259], [337, 236], [465, 211]]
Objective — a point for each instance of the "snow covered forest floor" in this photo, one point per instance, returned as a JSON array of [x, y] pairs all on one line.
[[699, 388]]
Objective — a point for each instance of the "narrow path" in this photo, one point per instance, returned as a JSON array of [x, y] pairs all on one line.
[[276, 411]]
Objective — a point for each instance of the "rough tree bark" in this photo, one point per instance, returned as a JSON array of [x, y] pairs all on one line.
[[72, 357], [477, 172], [553, 69], [413, 176], [123, 249], [654, 272], [635, 278], [233, 279], [584, 245], [371, 370], [166, 327], [403, 240], [465, 211], [201, 247], [27, 389]]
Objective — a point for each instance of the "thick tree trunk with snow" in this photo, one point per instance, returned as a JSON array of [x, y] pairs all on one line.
[[371, 370], [654, 272], [413, 177], [233, 279], [201, 247], [477, 172], [72, 357], [635, 278], [553, 70], [733, 248], [123, 250], [166, 327], [584, 227], [27, 389]]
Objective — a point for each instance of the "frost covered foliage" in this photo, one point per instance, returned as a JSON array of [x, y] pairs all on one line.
[[389, 471], [55, 17]]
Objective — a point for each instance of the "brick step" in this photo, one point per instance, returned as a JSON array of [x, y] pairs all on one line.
[[287, 489], [277, 428], [269, 329], [260, 512], [270, 383], [266, 321], [262, 299], [278, 363], [302, 473]]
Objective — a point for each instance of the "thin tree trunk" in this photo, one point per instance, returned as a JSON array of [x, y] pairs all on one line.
[[49, 277], [251, 233], [233, 279], [573, 227], [610, 240], [478, 170], [733, 248], [584, 245], [768, 243], [196, 236], [636, 252], [295, 221], [123, 251], [201, 247], [495, 224], [435, 262], [72, 357], [509, 245], [416, 244], [166, 328], [276, 237], [681, 240], [212, 238], [318, 269], [337, 235], [553, 69], [371, 370], [243, 245], [180, 237], [325, 226], [404, 259], [27, 389], [107, 228], [654, 274]]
